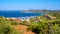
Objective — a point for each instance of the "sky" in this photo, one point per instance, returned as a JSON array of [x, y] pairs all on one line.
[[29, 4]]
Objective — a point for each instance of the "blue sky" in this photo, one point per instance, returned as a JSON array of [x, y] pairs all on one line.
[[29, 4]]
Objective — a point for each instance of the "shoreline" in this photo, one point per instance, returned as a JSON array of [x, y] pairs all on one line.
[[22, 18]]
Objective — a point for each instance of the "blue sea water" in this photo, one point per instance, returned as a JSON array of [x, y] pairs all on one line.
[[18, 14]]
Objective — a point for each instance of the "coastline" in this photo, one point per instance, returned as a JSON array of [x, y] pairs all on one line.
[[22, 18]]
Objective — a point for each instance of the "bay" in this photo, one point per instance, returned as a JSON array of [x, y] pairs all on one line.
[[18, 14]]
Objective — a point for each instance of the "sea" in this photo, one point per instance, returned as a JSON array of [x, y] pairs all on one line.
[[18, 14]]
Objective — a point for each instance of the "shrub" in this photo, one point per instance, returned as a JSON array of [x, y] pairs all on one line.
[[14, 23], [24, 23], [45, 27], [7, 28]]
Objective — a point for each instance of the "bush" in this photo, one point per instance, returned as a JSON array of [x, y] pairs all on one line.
[[7, 28], [25, 23], [35, 28], [45, 27], [14, 23]]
